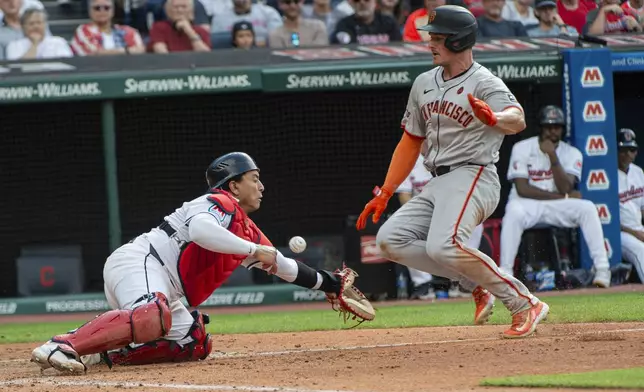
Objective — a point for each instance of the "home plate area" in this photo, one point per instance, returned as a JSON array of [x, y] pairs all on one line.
[[357, 360]]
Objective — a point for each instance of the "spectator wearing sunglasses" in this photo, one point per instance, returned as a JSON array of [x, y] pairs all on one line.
[[366, 26], [102, 37], [297, 31]]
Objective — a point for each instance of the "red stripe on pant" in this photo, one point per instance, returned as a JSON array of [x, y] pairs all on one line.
[[460, 246]]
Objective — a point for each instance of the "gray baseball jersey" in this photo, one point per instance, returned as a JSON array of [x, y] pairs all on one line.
[[440, 111], [431, 231]]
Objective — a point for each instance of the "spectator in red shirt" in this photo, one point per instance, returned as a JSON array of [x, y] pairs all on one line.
[[101, 37], [178, 33], [573, 12], [610, 18], [417, 19], [635, 5]]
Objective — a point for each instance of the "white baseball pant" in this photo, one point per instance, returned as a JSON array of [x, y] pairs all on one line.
[[131, 272], [522, 214], [633, 252]]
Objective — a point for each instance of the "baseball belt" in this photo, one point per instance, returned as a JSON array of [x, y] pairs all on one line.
[[165, 226], [440, 170]]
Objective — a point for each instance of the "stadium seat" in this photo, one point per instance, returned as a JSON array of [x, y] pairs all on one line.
[[221, 40]]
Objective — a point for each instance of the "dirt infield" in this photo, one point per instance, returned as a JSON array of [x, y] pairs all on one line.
[[385, 360]]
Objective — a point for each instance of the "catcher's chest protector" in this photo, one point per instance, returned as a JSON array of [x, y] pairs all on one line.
[[202, 271]]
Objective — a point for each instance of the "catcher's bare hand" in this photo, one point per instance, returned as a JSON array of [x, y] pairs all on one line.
[[267, 255]]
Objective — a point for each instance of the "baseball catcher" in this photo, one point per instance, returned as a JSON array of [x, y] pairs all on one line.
[[189, 255]]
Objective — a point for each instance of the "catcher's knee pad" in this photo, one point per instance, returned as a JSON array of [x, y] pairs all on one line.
[[149, 319], [162, 350]]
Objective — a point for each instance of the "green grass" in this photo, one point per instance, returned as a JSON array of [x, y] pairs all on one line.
[[616, 307], [620, 378]]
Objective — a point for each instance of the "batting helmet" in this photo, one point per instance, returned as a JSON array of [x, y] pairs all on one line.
[[552, 115], [626, 138], [228, 166], [457, 23]]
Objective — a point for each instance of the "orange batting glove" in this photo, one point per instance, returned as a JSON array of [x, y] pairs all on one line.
[[482, 111], [376, 206]]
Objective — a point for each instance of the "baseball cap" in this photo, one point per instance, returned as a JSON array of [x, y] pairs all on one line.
[[241, 26], [545, 3]]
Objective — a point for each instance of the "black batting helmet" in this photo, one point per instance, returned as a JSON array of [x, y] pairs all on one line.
[[457, 22], [228, 166], [552, 115], [626, 138]]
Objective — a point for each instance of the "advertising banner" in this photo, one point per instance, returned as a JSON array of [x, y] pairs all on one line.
[[590, 116], [628, 61]]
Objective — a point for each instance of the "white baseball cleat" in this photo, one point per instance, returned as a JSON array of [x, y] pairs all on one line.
[[59, 356], [602, 278], [91, 359]]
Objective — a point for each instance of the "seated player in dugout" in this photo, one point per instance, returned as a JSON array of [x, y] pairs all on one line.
[[545, 171], [424, 283], [631, 200], [191, 254]]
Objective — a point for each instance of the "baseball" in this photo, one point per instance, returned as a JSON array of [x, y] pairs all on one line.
[[297, 244]]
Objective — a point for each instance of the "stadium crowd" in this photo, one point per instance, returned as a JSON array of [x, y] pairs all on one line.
[[161, 26]]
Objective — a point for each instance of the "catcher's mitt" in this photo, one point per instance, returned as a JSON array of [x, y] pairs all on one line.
[[349, 300]]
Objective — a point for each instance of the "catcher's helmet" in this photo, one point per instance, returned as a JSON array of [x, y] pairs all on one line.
[[626, 138], [552, 115], [228, 166], [457, 23]]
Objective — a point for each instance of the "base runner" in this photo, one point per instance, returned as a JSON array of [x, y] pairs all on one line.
[[194, 250], [631, 200], [464, 112], [410, 187]]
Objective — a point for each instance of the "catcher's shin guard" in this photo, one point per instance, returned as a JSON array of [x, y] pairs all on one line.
[[163, 350], [118, 328]]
